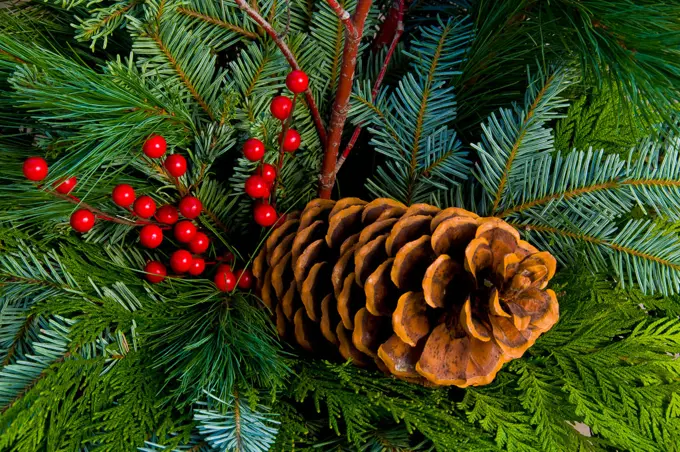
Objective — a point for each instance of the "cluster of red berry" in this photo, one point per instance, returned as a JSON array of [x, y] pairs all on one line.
[[260, 185], [151, 233]]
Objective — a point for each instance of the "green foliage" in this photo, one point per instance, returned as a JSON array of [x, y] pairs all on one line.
[[94, 357], [410, 124]]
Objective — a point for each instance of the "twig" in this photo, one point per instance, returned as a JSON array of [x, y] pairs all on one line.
[[376, 86], [288, 55], [100, 213], [342, 95], [344, 17]]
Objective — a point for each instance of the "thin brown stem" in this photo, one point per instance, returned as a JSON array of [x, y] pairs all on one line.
[[288, 55], [342, 95], [376, 86], [100, 213], [344, 17], [285, 125]]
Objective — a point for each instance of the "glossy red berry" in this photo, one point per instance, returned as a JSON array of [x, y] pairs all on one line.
[[190, 207], [223, 268], [291, 141], [82, 220], [256, 187], [253, 149], [180, 261], [199, 243], [225, 280], [35, 168], [65, 186], [264, 214], [297, 81], [145, 207], [185, 231], [176, 165], [155, 272], [245, 278], [281, 107], [167, 214], [268, 172], [123, 195], [155, 146], [150, 236], [197, 266]]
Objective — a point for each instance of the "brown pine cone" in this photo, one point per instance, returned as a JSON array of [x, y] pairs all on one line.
[[440, 297]]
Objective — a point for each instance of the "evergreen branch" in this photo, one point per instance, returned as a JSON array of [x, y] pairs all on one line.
[[18, 337], [215, 21], [518, 142], [181, 74], [117, 12], [283, 47], [598, 241]]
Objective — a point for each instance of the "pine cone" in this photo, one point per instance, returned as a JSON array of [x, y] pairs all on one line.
[[440, 297]]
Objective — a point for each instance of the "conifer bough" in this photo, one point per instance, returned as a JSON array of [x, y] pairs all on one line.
[[432, 296]]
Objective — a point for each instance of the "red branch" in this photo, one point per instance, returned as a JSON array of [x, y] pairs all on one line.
[[288, 55], [376, 86], [342, 95]]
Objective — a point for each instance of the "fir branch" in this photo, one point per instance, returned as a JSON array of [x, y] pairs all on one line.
[[216, 21], [515, 137], [155, 36]]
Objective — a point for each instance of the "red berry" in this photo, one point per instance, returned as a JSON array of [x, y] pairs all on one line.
[[64, 186], [291, 142], [185, 231], [197, 266], [228, 257], [225, 280], [297, 81], [123, 195], [223, 268], [199, 244], [155, 272], [155, 146], [256, 187], [253, 149], [145, 207], [180, 261], [190, 207], [281, 107], [176, 165], [35, 168], [82, 220], [245, 278], [264, 215], [268, 172], [167, 214], [150, 236]]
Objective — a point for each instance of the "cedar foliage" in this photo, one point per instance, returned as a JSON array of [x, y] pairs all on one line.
[[494, 109]]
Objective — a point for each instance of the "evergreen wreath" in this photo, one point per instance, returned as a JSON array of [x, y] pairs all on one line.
[[558, 118]]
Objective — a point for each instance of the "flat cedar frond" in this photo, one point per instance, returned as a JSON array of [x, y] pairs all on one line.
[[409, 125], [512, 138]]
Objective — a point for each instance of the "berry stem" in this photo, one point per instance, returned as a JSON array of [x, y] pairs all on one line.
[[376, 86], [285, 125], [288, 55], [101, 214]]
